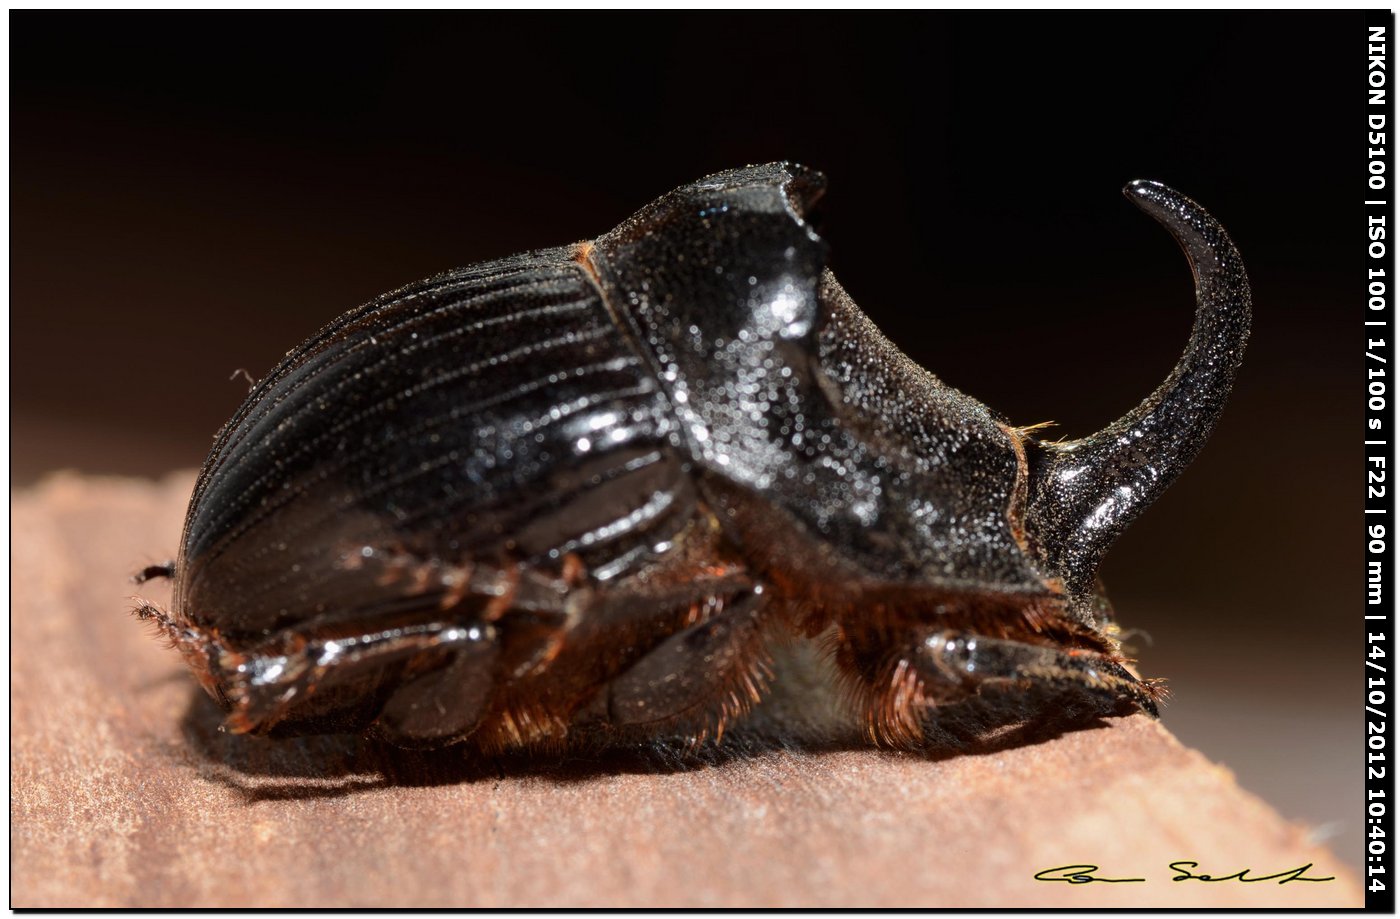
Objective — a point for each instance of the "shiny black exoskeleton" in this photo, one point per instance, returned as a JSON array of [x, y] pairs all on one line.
[[575, 492]]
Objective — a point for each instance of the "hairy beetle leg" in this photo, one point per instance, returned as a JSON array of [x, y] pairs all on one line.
[[700, 678], [947, 666], [195, 646]]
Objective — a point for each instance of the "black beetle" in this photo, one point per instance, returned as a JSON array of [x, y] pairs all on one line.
[[573, 493]]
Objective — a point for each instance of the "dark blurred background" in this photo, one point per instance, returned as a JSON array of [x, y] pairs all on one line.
[[192, 194]]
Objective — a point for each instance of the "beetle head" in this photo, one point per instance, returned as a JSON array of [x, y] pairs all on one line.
[[785, 392]]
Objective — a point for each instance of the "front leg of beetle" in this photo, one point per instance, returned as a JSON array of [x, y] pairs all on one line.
[[960, 656], [941, 666]]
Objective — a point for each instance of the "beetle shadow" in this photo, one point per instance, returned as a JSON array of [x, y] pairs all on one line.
[[804, 715]]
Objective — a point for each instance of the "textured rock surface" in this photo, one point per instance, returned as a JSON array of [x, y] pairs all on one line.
[[124, 792]]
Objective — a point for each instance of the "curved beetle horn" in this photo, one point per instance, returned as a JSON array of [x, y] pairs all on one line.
[[1084, 492]]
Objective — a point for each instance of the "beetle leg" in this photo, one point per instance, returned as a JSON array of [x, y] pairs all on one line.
[[421, 667], [151, 572], [956, 657], [714, 669], [946, 666], [195, 645], [263, 684], [445, 703], [437, 679]]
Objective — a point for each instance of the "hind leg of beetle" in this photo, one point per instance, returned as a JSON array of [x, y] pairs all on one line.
[[698, 679], [422, 669], [944, 666], [441, 672]]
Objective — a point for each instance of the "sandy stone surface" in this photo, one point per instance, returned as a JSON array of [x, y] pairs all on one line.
[[126, 794]]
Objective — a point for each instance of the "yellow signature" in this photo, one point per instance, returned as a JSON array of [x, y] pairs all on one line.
[[1185, 871]]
